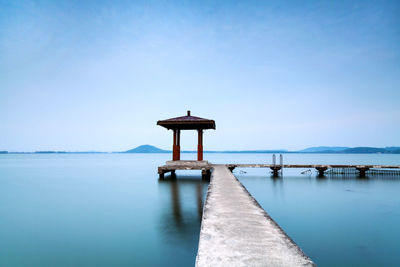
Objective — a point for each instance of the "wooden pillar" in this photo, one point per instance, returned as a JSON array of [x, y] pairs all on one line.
[[321, 171], [178, 145], [200, 145], [362, 171], [205, 174], [275, 170], [161, 173], [174, 147]]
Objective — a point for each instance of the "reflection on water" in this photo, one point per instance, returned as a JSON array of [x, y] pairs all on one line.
[[195, 184], [183, 198], [96, 210]]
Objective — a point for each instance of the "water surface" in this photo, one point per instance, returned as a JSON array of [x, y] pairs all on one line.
[[111, 209], [96, 210]]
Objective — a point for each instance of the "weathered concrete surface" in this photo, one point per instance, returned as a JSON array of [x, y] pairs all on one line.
[[188, 164], [236, 231], [238, 165], [173, 165]]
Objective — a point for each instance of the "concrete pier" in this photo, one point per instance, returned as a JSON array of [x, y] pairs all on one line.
[[205, 167], [172, 166], [362, 169], [236, 231]]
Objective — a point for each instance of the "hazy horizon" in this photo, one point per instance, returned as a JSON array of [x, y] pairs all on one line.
[[187, 150], [97, 75]]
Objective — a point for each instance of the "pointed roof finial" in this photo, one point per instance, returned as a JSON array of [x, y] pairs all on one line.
[[188, 112]]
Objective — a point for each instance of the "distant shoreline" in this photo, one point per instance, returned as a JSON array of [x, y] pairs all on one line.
[[193, 152], [149, 149]]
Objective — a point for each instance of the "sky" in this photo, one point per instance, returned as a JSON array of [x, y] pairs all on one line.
[[97, 75]]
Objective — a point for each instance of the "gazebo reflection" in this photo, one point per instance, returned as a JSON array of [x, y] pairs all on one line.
[[182, 203]]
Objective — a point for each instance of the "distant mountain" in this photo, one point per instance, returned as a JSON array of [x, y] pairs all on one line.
[[153, 149], [319, 149], [393, 148], [356, 150], [351, 150], [323, 149], [249, 151], [49, 152], [147, 149]]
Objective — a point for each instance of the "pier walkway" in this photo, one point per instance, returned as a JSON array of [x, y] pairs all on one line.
[[206, 167], [320, 168], [236, 231]]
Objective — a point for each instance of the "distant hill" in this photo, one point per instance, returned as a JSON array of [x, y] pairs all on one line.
[[153, 149], [323, 149], [351, 150], [249, 151], [49, 152], [319, 149], [393, 148], [357, 150], [147, 149]]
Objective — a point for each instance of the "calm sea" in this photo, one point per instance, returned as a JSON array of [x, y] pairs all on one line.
[[111, 209]]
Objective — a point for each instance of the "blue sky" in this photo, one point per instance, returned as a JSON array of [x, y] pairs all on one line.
[[97, 75]]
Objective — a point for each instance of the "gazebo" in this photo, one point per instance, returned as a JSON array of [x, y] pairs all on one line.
[[187, 122]]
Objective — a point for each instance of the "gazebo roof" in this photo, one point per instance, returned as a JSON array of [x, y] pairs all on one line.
[[187, 122]]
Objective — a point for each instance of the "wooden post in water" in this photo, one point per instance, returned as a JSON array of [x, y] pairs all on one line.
[[275, 168], [321, 171], [362, 171]]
